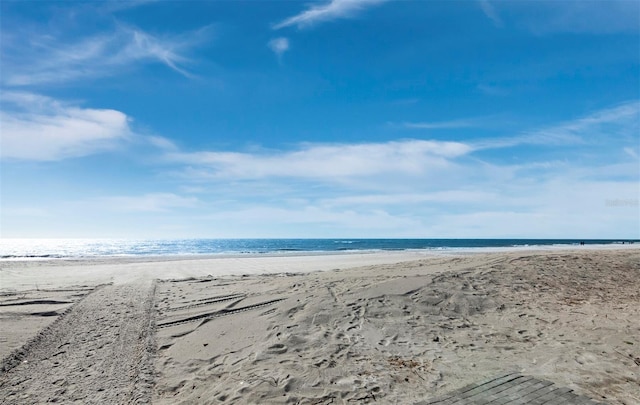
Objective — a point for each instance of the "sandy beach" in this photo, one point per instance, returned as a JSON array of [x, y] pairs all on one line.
[[394, 327]]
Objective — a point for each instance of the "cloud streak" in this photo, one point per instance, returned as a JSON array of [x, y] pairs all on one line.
[[333, 10], [578, 17], [151, 202], [461, 123], [42, 59], [621, 122], [491, 13]]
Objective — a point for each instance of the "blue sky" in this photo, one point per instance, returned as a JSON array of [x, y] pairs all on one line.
[[328, 118]]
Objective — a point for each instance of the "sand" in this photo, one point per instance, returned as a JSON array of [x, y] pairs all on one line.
[[387, 328]]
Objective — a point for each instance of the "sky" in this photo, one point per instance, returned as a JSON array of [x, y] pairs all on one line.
[[320, 119]]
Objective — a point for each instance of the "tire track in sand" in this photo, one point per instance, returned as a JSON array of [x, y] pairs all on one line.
[[100, 351]]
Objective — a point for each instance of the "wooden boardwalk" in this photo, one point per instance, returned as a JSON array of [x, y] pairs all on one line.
[[511, 389]]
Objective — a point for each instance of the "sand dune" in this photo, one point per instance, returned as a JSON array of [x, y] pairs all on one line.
[[383, 333]]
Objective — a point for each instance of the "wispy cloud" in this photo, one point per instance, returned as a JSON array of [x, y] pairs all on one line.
[[328, 162], [160, 143], [576, 16], [151, 202], [113, 6], [309, 219], [628, 112], [620, 123], [403, 199], [38, 59], [461, 123], [489, 10], [332, 10], [36, 127], [493, 90], [631, 152], [279, 46]]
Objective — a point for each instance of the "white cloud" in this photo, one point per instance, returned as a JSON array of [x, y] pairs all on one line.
[[493, 90], [605, 124], [491, 13], [39, 59], [329, 162], [631, 152], [577, 16], [161, 143], [332, 10], [152, 202], [563, 207], [461, 123], [23, 211], [405, 199], [114, 6], [610, 124], [41, 128], [279, 46], [628, 111], [309, 221]]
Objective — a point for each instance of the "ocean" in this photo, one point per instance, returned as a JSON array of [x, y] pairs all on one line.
[[15, 249]]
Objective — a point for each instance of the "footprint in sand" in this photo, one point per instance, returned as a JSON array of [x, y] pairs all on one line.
[[278, 348], [585, 358]]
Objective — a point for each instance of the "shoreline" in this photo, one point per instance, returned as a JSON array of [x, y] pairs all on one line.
[[18, 275], [614, 244], [132, 258]]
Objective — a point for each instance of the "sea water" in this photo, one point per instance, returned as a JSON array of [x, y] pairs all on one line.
[[12, 249]]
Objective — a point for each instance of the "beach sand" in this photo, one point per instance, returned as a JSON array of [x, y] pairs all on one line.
[[396, 327]]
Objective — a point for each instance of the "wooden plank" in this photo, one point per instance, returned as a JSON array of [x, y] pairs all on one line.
[[519, 391], [484, 387], [456, 395], [502, 391], [511, 389]]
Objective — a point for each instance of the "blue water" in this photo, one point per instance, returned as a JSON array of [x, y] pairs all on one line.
[[91, 248]]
